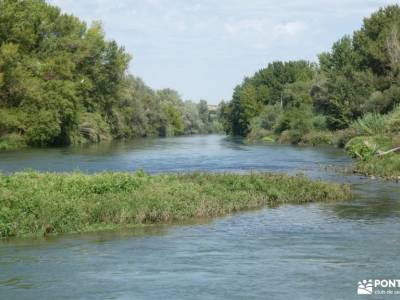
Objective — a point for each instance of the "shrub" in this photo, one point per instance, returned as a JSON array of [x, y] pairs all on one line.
[[93, 128], [44, 128], [297, 120], [387, 166], [11, 142], [393, 122], [316, 138], [361, 147], [11, 120], [258, 134], [370, 124], [342, 137], [290, 137], [319, 122], [364, 147]]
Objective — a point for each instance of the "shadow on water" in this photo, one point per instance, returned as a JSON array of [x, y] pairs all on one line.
[[374, 201], [95, 237], [16, 282]]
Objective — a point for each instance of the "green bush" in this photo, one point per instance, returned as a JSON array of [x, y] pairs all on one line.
[[342, 137], [370, 124], [11, 142], [44, 128], [393, 122], [290, 137], [316, 138], [364, 147], [319, 122], [361, 147], [11, 121], [94, 128], [298, 120], [256, 134], [387, 166], [269, 116]]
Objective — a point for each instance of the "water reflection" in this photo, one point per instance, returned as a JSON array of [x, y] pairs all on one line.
[[207, 153], [374, 200]]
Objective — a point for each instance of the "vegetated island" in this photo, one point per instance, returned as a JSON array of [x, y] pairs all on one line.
[[350, 98], [37, 204]]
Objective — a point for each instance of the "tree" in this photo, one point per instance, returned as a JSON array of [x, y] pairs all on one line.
[[279, 83], [62, 82]]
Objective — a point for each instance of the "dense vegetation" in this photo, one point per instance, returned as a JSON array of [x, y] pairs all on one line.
[[62, 82], [351, 97], [42, 203]]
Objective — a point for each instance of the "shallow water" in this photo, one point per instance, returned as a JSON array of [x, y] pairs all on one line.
[[317, 251]]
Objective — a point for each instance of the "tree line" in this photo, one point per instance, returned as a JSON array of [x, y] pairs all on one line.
[[359, 76], [63, 82]]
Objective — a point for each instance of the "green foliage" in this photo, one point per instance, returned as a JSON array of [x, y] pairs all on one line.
[[294, 123], [285, 84], [243, 108], [93, 128], [350, 99], [381, 133], [354, 92], [387, 166], [361, 72], [370, 124], [264, 124], [342, 137], [360, 75], [318, 137], [319, 122], [11, 142], [383, 102], [374, 41], [365, 147], [62, 82], [49, 203], [297, 94], [362, 147], [43, 129], [393, 121]]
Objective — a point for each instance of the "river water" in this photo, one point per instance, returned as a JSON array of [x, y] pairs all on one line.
[[315, 251]]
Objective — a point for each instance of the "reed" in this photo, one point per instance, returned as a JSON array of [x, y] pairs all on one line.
[[33, 203]]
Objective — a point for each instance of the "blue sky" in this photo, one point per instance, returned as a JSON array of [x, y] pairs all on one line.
[[203, 49]]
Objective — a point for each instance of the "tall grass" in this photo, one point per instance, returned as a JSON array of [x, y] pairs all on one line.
[[374, 134], [371, 124], [34, 203], [386, 167]]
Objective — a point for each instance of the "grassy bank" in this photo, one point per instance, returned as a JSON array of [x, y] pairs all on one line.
[[386, 167], [34, 203], [370, 140]]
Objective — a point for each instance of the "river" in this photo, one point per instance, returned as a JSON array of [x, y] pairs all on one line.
[[315, 251]]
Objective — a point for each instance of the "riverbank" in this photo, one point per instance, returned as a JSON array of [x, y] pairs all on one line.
[[37, 204], [373, 141]]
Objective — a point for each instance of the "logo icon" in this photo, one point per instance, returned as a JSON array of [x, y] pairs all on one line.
[[365, 287]]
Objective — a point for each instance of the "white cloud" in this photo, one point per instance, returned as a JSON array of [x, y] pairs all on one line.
[[204, 44], [264, 33], [260, 26], [290, 29]]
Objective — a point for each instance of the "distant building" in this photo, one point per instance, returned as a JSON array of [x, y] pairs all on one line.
[[212, 108]]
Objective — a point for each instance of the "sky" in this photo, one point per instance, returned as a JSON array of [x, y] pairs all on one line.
[[203, 49]]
